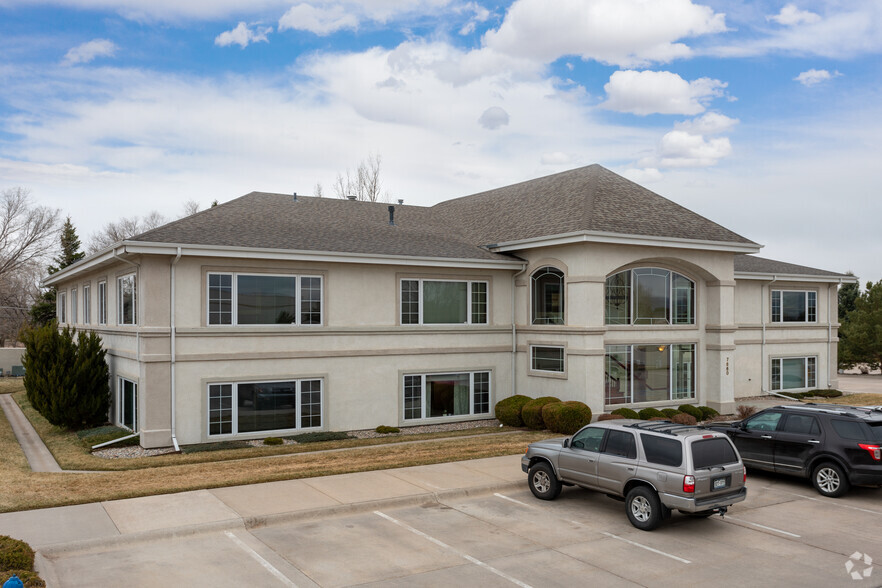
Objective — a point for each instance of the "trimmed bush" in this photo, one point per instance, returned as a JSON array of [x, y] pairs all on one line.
[[609, 417], [15, 554], [742, 411], [648, 413], [273, 441], [689, 409], [320, 436], [707, 413], [566, 417], [626, 413], [531, 412], [684, 418], [825, 393], [670, 412], [387, 430], [508, 410]]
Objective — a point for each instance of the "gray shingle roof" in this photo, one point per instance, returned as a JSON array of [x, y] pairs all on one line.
[[760, 265]]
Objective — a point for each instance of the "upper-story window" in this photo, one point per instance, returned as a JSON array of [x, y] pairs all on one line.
[[794, 306], [262, 299], [649, 296], [547, 290], [73, 306], [443, 302], [126, 297], [87, 304], [62, 307], [102, 303]]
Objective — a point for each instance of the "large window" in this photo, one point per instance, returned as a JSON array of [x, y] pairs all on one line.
[[649, 296], [789, 373], [62, 307], [547, 290], [256, 299], [446, 395], [649, 373], [547, 358], [87, 305], [126, 297], [127, 403], [255, 407], [794, 306], [443, 302], [102, 303]]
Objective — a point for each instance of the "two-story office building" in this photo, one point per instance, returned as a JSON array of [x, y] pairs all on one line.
[[274, 314]]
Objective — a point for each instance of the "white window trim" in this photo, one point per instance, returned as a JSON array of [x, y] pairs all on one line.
[[119, 300], [805, 363], [547, 373], [298, 297], [423, 404], [781, 321], [62, 307], [267, 433], [421, 305], [102, 302], [563, 293], [87, 304], [74, 303], [121, 404]]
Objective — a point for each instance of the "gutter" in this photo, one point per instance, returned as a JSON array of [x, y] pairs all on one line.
[[763, 346], [514, 332], [174, 437], [830, 333]]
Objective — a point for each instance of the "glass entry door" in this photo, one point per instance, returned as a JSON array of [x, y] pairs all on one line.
[[127, 401]]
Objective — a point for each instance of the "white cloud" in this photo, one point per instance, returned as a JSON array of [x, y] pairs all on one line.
[[494, 118], [643, 176], [556, 158], [480, 15], [815, 76], [659, 92], [321, 21], [711, 123], [679, 148], [89, 51], [790, 16], [242, 35], [620, 32]]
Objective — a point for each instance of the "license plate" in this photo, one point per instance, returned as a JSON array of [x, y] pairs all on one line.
[[720, 483]]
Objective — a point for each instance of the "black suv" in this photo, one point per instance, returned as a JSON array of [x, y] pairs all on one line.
[[836, 446]]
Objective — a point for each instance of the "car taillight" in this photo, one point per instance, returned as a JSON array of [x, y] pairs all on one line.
[[745, 475], [875, 450], [689, 484]]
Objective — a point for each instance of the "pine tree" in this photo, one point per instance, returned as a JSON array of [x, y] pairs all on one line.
[[43, 310]]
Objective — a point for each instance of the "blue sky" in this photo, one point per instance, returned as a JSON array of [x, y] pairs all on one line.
[[764, 116]]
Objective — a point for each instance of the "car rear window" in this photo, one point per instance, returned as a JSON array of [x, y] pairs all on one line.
[[877, 431], [708, 453], [662, 450]]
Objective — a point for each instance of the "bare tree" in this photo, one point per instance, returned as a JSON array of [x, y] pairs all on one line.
[[318, 192], [191, 207], [124, 228], [28, 233], [18, 291], [365, 184]]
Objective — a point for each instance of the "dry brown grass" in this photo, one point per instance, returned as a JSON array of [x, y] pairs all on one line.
[[9, 385], [853, 400], [176, 473]]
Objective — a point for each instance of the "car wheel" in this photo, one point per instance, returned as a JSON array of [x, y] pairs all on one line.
[[644, 508], [830, 480], [543, 482]]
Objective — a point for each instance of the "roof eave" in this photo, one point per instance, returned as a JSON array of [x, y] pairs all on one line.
[[783, 277], [624, 239]]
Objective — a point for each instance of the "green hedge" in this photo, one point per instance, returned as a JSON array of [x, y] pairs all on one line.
[[273, 441], [670, 412], [387, 430], [691, 410], [531, 412], [15, 554], [707, 413], [813, 394], [648, 413], [566, 417], [626, 413], [508, 410]]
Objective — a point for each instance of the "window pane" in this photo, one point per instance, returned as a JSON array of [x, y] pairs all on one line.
[[479, 303], [548, 297], [618, 299], [220, 299], [482, 392], [661, 450], [128, 404], [126, 294], [651, 373], [621, 443], [413, 407], [651, 295], [445, 302], [102, 303], [310, 301], [684, 300], [776, 306], [776, 374], [683, 362], [73, 306], [709, 453], [62, 307], [310, 403], [266, 300], [267, 406], [447, 395], [793, 373], [220, 409], [618, 374], [812, 306], [87, 305], [811, 372], [410, 302], [793, 304], [548, 359]]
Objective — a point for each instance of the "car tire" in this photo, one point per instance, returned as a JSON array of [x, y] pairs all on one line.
[[543, 483], [830, 480], [644, 508]]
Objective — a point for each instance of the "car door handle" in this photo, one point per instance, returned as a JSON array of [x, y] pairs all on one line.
[[766, 437], [815, 441]]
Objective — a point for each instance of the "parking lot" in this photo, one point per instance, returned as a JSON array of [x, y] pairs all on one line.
[[783, 534]]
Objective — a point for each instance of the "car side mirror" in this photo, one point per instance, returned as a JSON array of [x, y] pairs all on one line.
[[566, 442]]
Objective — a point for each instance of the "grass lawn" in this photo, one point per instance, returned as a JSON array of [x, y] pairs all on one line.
[[853, 400], [127, 478]]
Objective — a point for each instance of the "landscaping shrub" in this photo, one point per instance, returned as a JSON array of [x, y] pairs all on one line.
[[15, 554], [670, 412], [707, 413], [387, 430], [684, 418], [318, 437], [531, 412], [508, 410], [566, 417], [825, 393], [218, 446], [689, 409], [648, 413], [66, 377], [273, 441], [626, 413], [658, 418], [609, 417], [742, 411]]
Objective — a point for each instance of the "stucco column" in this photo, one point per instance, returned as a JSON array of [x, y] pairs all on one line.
[[717, 382]]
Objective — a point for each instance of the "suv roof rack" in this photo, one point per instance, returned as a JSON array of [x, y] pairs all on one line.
[[842, 410], [666, 427]]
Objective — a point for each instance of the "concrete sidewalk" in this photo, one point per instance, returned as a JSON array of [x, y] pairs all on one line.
[[38, 455]]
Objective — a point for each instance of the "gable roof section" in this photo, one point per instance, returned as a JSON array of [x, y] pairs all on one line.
[[751, 266]]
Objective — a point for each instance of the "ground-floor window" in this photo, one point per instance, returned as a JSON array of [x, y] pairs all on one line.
[[649, 373], [547, 358], [446, 395], [790, 373], [127, 404], [264, 406]]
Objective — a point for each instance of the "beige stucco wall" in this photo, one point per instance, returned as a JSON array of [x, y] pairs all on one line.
[[10, 356]]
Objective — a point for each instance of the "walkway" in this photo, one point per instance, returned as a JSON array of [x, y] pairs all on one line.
[[39, 457]]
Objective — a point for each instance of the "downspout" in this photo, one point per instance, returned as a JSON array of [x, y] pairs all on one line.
[[830, 333], [763, 346], [514, 334], [174, 437]]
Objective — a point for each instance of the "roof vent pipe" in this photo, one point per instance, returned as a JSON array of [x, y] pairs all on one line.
[[391, 215], [400, 201], [351, 197], [295, 196]]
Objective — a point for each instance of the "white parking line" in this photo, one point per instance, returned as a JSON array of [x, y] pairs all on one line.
[[646, 547], [443, 545], [502, 496], [830, 502], [257, 557], [764, 527]]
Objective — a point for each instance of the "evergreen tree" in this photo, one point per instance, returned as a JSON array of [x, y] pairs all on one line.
[[43, 310], [861, 338]]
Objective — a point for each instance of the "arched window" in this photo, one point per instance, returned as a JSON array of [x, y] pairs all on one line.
[[547, 285], [649, 296]]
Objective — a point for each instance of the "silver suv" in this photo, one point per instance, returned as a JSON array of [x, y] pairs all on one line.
[[655, 466]]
